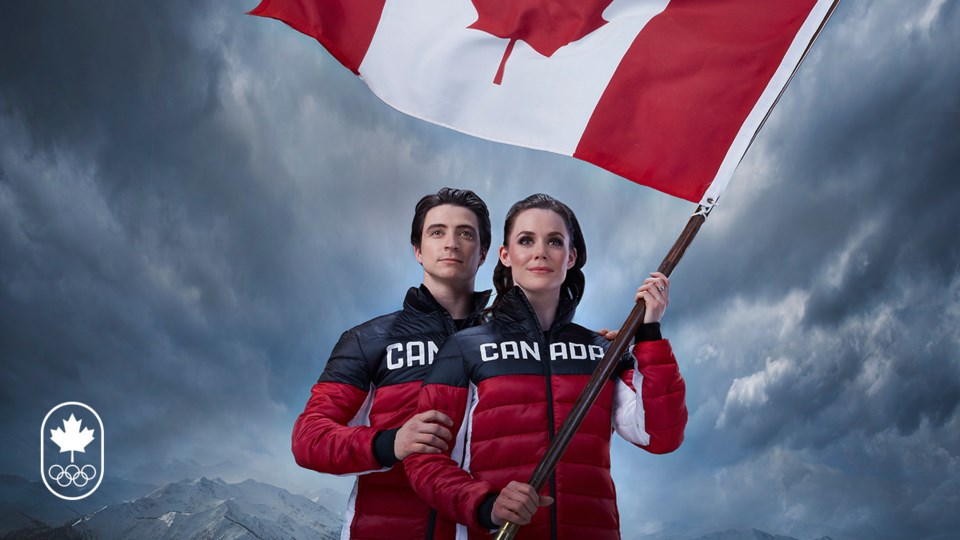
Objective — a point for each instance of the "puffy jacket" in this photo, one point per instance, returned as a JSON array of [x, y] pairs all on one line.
[[368, 389], [509, 386]]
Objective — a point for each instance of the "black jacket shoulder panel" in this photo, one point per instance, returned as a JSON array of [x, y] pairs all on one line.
[[398, 347], [347, 363], [449, 366]]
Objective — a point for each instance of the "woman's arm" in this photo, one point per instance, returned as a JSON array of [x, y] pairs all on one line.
[[650, 397], [438, 478]]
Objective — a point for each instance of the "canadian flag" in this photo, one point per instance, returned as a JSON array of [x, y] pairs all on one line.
[[666, 93]]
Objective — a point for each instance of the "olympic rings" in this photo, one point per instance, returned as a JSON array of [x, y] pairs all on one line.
[[71, 474]]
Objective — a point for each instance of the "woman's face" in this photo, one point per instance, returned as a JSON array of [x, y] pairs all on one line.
[[538, 251]]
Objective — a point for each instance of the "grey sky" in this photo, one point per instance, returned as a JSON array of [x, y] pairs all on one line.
[[194, 203]]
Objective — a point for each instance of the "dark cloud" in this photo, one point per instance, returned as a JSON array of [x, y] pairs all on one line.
[[148, 256], [818, 319], [867, 246]]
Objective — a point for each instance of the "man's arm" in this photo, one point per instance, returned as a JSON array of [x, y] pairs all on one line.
[[331, 435]]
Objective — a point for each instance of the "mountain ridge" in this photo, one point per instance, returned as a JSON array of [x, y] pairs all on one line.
[[192, 508]]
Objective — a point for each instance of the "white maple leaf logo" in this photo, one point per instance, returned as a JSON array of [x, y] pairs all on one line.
[[72, 440]]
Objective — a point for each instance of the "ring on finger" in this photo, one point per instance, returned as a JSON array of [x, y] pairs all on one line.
[[661, 288]]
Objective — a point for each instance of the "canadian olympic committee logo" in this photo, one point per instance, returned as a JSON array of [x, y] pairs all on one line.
[[71, 450]]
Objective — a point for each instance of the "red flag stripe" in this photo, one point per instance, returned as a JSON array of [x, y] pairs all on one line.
[[689, 54], [343, 27]]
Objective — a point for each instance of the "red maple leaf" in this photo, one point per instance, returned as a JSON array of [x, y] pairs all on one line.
[[545, 25]]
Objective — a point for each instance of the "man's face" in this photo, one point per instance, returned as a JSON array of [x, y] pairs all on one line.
[[450, 245]]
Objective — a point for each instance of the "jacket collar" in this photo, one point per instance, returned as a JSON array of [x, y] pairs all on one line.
[[420, 300], [514, 308]]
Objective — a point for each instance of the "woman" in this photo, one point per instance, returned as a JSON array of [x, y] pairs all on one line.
[[509, 384]]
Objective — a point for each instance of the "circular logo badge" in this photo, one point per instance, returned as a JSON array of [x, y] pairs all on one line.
[[71, 450]]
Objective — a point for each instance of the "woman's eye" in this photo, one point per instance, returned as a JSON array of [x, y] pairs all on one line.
[[525, 240], [556, 242]]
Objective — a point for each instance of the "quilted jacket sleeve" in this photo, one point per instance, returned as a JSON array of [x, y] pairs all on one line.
[[650, 399], [437, 478], [331, 435]]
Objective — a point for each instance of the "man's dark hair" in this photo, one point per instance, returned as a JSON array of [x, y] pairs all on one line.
[[457, 197]]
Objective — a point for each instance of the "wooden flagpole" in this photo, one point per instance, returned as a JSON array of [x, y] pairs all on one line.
[[604, 370]]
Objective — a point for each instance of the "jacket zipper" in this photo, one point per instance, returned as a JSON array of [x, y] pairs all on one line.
[[551, 429], [551, 432]]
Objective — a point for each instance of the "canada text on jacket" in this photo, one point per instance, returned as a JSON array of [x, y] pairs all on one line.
[[526, 350], [410, 353]]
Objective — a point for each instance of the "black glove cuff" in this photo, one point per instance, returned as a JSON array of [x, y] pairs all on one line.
[[485, 513], [383, 447], [648, 332]]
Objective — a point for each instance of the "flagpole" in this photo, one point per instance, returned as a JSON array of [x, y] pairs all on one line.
[[605, 369]]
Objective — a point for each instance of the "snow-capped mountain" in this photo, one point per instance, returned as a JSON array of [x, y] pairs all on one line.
[[206, 508], [331, 498], [202, 508], [27, 505]]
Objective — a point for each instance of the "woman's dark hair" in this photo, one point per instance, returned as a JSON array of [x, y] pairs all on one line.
[[456, 197], [575, 281]]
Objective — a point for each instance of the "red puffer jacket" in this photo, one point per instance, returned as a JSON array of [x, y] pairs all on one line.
[[509, 386], [369, 389]]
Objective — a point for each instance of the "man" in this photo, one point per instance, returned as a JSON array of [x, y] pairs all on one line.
[[359, 418]]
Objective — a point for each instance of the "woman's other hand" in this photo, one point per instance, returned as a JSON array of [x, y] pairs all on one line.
[[655, 291]]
